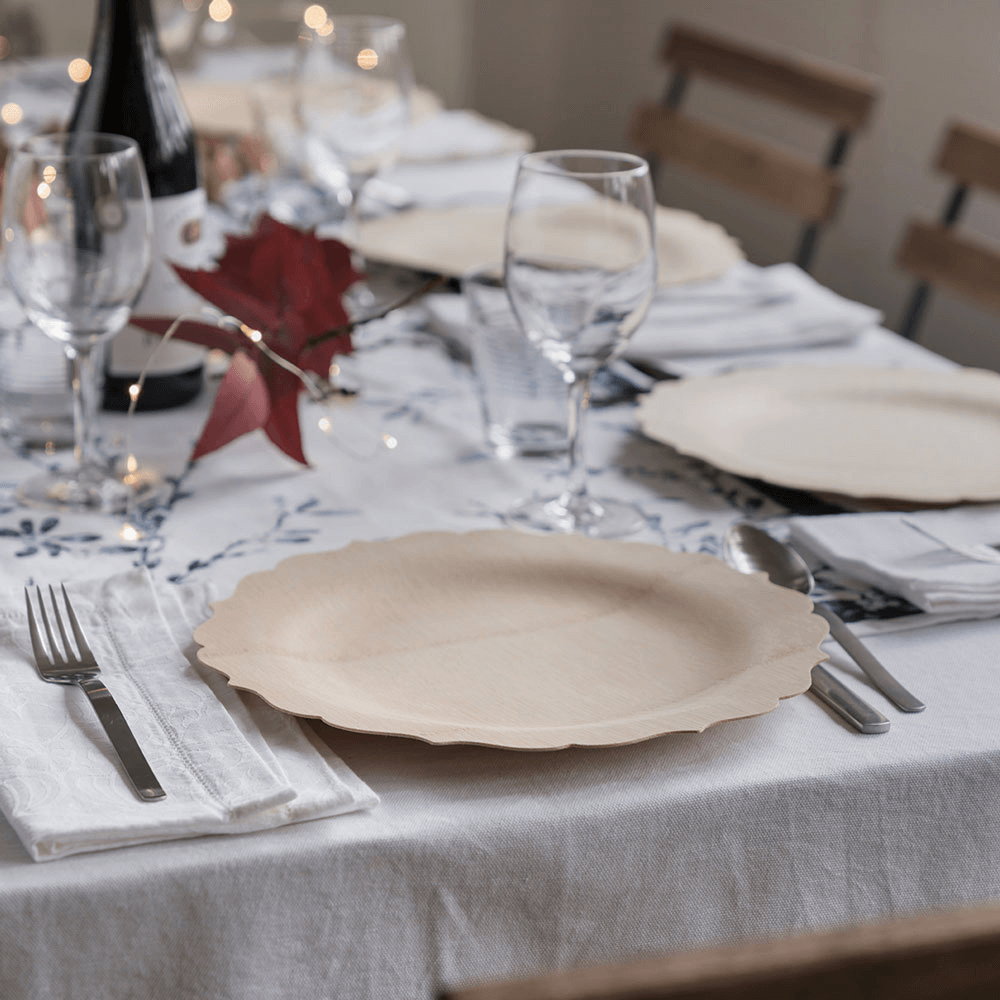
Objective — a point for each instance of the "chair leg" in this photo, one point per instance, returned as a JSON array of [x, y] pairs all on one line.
[[917, 304], [807, 245]]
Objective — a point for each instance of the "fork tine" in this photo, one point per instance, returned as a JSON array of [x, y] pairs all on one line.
[[66, 645], [81, 641], [41, 656], [57, 658]]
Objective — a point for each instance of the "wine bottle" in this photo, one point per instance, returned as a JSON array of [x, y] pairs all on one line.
[[132, 91]]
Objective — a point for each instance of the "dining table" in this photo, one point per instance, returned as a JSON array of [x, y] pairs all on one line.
[[463, 862]]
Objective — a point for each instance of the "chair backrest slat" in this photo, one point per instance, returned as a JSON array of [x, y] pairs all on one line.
[[971, 154], [772, 174], [836, 94], [939, 256]]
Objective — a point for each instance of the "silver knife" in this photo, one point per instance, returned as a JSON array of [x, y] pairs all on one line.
[[846, 703]]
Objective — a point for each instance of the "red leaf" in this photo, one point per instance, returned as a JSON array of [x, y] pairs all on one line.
[[241, 406], [288, 285], [282, 426]]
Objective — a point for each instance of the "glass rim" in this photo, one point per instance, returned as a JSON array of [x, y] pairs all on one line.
[[542, 161], [36, 145]]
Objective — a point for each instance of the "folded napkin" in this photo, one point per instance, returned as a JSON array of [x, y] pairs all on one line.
[[228, 762], [749, 308], [940, 560], [457, 134]]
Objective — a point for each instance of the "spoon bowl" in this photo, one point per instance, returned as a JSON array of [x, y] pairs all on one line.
[[751, 549]]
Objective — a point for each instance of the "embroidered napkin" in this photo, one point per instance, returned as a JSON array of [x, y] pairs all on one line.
[[940, 560], [749, 308], [228, 762]]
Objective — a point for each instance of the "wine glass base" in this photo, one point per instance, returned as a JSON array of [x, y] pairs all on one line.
[[596, 518], [88, 489]]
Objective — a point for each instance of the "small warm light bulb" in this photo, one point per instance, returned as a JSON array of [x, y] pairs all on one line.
[[324, 425], [11, 113], [130, 533], [43, 190], [133, 391], [389, 441], [220, 10], [49, 174], [334, 369], [367, 58], [255, 335], [79, 70], [325, 29], [8, 235], [132, 463], [315, 16]]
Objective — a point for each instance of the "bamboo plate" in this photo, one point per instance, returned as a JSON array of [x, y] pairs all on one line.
[[456, 239], [899, 434], [513, 640]]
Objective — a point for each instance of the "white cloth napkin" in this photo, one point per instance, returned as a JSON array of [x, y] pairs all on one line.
[[749, 308], [939, 560], [455, 134], [228, 762]]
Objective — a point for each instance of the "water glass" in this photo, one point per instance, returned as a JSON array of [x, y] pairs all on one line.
[[523, 395]]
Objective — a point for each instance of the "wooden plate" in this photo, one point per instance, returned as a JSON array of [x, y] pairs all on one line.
[[514, 640]]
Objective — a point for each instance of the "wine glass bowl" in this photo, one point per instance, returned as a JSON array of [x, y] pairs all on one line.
[[77, 238], [353, 99], [580, 270]]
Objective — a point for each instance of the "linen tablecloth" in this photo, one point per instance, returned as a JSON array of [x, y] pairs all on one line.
[[479, 862]]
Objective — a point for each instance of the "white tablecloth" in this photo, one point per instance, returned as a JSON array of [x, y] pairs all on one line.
[[483, 863]]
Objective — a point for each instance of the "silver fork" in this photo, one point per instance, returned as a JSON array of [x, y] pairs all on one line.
[[66, 666]]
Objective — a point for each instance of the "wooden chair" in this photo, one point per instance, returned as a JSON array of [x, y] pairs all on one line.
[[934, 252], [807, 190], [934, 956]]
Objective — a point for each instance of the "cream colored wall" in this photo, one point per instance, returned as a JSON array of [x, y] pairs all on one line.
[[569, 70]]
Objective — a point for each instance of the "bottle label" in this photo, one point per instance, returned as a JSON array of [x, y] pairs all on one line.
[[177, 238]]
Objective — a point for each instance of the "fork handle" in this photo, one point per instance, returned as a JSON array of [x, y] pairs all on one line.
[[864, 658], [140, 774]]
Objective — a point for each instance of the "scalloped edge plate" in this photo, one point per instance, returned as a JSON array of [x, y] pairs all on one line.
[[883, 433], [513, 640]]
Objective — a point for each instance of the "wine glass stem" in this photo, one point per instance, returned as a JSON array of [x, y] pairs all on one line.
[[84, 403], [575, 495]]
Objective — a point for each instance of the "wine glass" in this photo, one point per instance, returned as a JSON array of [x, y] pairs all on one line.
[[353, 100], [77, 242], [580, 270], [353, 107]]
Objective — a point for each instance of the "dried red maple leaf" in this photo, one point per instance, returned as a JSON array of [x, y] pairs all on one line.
[[287, 284]]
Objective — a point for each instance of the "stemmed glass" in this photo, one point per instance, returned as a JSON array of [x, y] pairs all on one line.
[[580, 270], [77, 238], [353, 101]]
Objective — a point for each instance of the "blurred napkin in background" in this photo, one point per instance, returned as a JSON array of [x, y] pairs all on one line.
[[228, 762], [914, 555], [749, 308]]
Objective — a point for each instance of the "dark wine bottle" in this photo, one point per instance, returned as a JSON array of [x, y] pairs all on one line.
[[132, 91]]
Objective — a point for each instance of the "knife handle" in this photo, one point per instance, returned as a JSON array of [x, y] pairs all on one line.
[[863, 657], [846, 703]]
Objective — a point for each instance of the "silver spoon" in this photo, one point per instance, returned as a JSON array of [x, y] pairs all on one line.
[[749, 549]]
